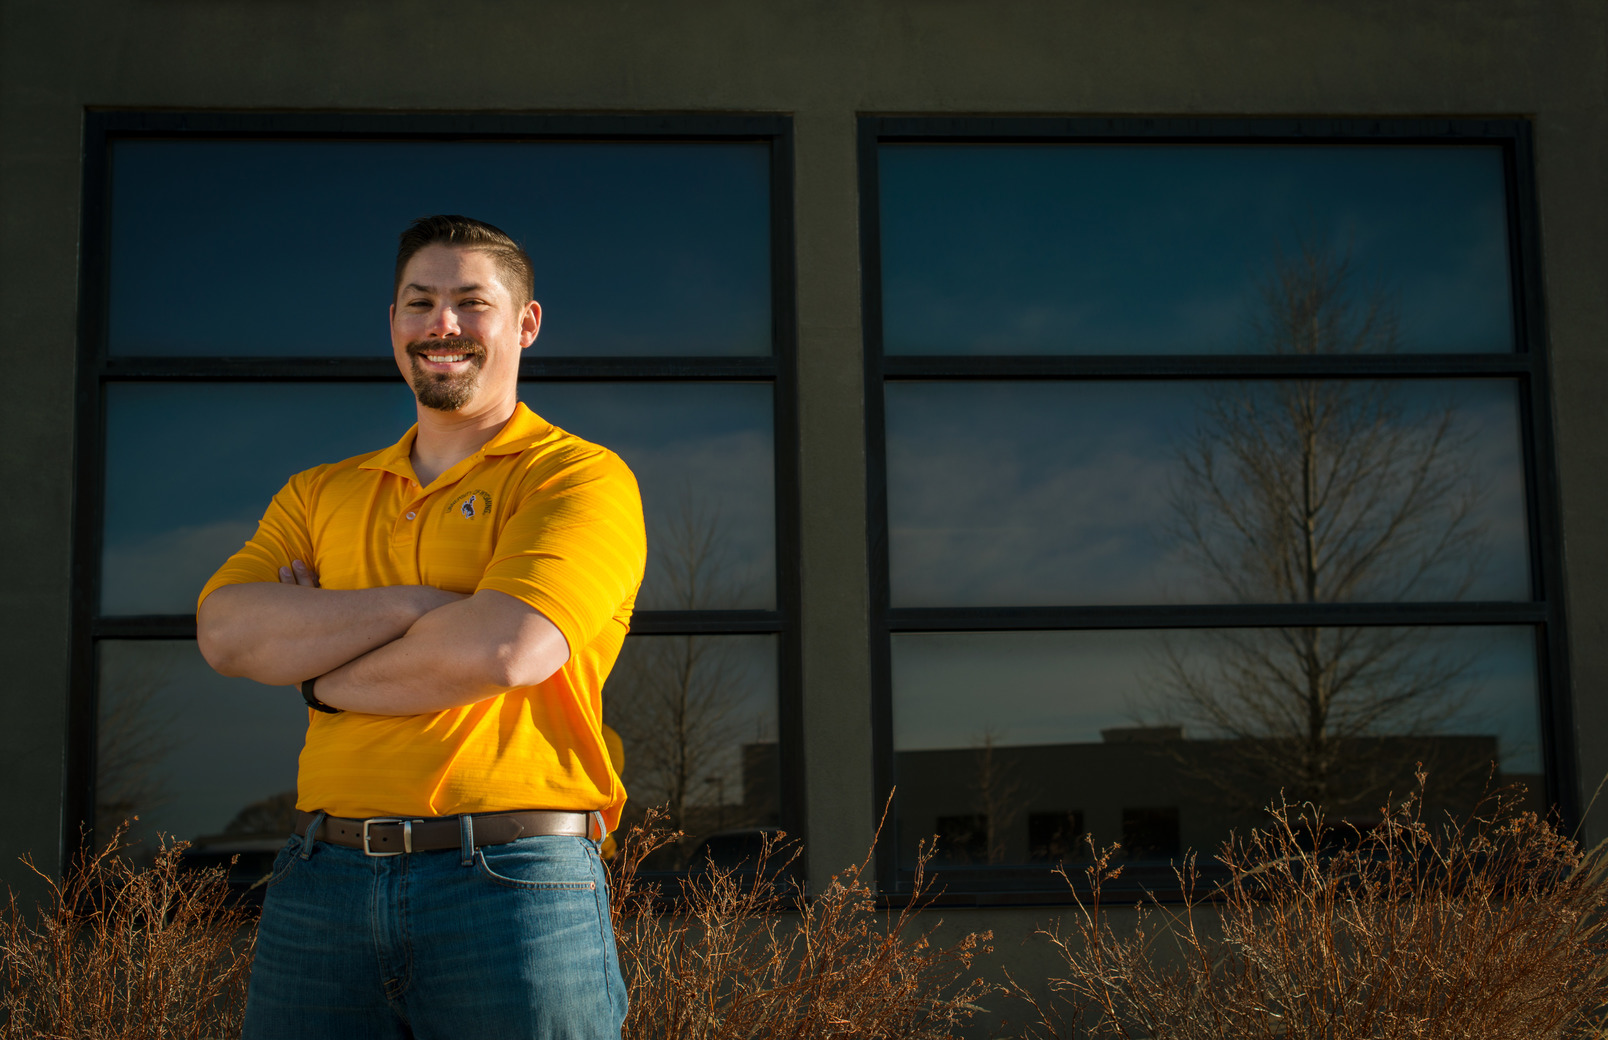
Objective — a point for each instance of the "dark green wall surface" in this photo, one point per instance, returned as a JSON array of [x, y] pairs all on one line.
[[824, 62]]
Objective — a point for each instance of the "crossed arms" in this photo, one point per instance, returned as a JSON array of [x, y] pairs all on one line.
[[399, 650]]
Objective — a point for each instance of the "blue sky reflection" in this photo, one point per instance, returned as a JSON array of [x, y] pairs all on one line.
[[1144, 249], [640, 247]]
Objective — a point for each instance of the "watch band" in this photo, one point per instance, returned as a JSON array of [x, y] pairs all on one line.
[[313, 702]]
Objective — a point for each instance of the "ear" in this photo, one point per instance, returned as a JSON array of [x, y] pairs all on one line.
[[530, 323]]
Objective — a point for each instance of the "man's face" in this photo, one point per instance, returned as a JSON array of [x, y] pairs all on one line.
[[456, 330]]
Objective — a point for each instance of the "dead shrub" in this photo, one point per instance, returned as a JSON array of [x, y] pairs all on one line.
[[740, 954], [1487, 927], [127, 953]]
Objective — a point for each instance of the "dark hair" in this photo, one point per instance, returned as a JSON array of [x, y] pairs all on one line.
[[449, 229]]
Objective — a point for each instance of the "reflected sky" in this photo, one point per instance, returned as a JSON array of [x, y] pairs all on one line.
[[1141, 249], [1061, 493], [1038, 688], [190, 469], [703, 456], [639, 248], [215, 745]]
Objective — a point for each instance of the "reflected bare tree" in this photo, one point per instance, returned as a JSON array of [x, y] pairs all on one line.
[[677, 701], [1322, 491], [999, 794], [134, 740]]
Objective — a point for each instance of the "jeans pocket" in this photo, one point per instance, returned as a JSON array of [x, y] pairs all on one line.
[[284, 862], [538, 864]]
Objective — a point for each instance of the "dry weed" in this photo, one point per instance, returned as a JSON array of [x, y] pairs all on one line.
[[122, 952], [1485, 928], [740, 954]]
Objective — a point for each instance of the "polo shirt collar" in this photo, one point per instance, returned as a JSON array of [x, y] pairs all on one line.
[[522, 430]]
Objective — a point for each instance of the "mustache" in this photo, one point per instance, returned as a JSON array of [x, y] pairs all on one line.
[[455, 345]]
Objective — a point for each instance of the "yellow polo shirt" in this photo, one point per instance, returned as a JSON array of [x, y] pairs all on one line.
[[536, 513]]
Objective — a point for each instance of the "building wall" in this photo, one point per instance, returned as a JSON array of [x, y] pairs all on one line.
[[822, 62]]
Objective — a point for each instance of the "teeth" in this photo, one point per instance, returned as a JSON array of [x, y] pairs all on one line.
[[443, 359]]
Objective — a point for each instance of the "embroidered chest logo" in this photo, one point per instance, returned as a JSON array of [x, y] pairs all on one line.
[[475, 504]]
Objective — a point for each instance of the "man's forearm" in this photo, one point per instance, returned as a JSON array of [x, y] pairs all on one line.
[[281, 634], [460, 654]]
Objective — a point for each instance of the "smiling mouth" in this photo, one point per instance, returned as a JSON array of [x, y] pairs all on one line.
[[449, 353]]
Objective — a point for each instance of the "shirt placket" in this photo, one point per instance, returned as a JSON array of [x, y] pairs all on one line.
[[405, 533]]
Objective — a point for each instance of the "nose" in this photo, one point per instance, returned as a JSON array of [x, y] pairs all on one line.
[[444, 322]]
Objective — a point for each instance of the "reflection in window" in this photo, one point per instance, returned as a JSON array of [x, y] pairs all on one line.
[[704, 456], [1016, 726], [194, 755], [1054, 836], [1150, 833], [697, 716], [1196, 491], [191, 467], [640, 248], [1140, 249], [179, 500], [961, 839]]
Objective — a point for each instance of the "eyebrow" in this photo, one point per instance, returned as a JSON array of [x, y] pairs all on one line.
[[416, 287]]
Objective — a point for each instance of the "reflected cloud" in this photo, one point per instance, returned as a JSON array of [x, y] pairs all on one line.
[[1006, 493]]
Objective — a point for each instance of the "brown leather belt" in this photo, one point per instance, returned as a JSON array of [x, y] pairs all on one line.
[[394, 835]]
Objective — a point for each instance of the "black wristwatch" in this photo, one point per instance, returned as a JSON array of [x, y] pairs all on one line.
[[313, 702]]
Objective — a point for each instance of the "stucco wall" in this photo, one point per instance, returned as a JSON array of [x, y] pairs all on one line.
[[823, 62]]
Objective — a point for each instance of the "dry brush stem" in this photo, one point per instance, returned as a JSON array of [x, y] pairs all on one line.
[[1488, 927], [739, 954], [118, 952]]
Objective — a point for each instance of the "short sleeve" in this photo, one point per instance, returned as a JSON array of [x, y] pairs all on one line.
[[282, 535], [575, 547]]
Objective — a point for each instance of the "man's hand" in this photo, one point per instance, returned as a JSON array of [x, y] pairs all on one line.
[[283, 633], [458, 654], [298, 573]]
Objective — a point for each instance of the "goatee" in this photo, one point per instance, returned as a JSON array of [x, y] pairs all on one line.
[[446, 391]]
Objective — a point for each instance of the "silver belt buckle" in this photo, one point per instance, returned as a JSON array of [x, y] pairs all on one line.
[[407, 835]]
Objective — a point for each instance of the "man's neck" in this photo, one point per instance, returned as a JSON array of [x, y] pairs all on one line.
[[447, 438]]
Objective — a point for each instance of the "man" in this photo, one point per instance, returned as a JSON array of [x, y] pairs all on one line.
[[450, 607]]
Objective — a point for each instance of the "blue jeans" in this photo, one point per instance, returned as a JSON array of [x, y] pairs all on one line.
[[506, 941]]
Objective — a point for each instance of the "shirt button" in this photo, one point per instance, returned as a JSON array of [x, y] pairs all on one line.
[[410, 516]]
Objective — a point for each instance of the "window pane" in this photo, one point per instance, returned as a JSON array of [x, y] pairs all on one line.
[[1016, 743], [195, 755], [703, 454], [1014, 493], [639, 248], [697, 717], [190, 469], [1145, 249]]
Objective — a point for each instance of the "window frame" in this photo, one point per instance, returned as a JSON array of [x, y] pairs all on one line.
[[97, 370], [1527, 365]]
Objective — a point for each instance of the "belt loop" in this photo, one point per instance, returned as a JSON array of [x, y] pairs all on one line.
[[602, 828], [466, 832], [312, 831]]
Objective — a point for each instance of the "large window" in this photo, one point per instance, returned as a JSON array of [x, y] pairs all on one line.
[[1208, 465], [237, 273]]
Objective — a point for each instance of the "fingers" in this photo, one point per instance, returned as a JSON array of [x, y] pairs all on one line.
[[298, 573]]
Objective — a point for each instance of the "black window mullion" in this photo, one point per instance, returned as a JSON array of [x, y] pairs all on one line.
[[1205, 366], [885, 808], [1231, 615], [1541, 480], [383, 369]]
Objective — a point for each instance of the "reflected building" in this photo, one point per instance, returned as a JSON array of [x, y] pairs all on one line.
[[1148, 788]]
